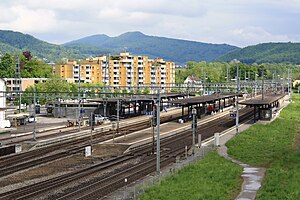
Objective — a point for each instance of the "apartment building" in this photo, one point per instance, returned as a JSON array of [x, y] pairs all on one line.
[[13, 84], [123, 71]]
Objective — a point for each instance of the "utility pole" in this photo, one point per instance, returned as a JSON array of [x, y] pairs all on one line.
[[289, 91], [179, 80], [118, 113], [276, 79], [227, 73], [158, 134], [237, 100], [79, 99], [18, 81], [34, 113], [92, 128], [194, 127], [262, 85], [105, 101], [282, 85], [255, 84]]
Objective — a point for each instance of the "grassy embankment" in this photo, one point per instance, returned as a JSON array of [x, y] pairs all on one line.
[[275, 146], [211, 178]]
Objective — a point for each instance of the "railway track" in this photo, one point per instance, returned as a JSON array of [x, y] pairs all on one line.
[[104, 185], [21, 161]]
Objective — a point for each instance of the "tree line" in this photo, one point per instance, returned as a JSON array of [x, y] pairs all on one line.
[[224, 71]]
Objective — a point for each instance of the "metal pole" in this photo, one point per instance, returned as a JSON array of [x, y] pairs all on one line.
[[34, 113], [227, 73], [158, 134], [262, 85], [237, 100], [179, 80], [118, 113], [19, 83], [289, 82], [92, 128], [79, 99], [255, 85], [194, 129], [105, 102]]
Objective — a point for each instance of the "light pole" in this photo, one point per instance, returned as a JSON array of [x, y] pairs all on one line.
[[92, 128], [158, 134], [262, 84], [118, 113], [34, 113], [289, 91], [79, 99], [194, 126], [237, 96]]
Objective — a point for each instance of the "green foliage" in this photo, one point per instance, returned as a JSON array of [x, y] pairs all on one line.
[[211, 178], [35, 68], [277, 147], [217, 71], [7, 66], [146, 91], [266, 53], [90, 50]]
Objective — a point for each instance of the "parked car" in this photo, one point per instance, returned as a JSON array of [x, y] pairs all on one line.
[[99, 119], [32, 119]]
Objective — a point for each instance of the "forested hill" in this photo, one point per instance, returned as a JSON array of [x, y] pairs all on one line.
[[179, 51], [12, 42], [266, 53]]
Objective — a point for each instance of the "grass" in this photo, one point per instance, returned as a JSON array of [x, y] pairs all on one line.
[[211, 178], [275, 146]]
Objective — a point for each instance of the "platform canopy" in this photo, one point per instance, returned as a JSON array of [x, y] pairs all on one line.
[[267, 100], [201, 99], [135, 97]]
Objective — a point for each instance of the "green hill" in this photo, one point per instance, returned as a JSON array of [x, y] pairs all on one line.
[[12, 42], [266, 53], [176, 50]]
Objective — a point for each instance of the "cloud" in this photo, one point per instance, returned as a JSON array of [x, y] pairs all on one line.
[[26, 20], [217, 21], [254, 35]]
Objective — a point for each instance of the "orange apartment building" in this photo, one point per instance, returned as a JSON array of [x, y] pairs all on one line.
[[122, 71]]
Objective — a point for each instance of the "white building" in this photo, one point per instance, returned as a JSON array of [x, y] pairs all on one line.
[[192, 80], [3, 123]]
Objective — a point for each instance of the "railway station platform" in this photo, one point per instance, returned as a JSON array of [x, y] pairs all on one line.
[[205, 104], [265, 108]]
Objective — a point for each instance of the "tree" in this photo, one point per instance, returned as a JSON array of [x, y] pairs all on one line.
[[7, 66], [36, 68]]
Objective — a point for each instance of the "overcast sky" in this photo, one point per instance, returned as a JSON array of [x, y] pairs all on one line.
[[235, 22]]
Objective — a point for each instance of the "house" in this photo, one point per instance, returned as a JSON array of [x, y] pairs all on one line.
[[192, 80], [296, 82]]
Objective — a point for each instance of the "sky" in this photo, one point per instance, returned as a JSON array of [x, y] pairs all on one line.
[[236, 22]]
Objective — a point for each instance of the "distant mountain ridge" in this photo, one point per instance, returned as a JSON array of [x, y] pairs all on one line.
[[266, 53], [13, 42], [176, 50], [137, 43]]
